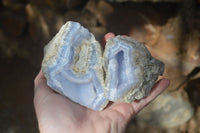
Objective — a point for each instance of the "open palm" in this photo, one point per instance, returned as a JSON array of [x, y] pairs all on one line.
[[58, 114]]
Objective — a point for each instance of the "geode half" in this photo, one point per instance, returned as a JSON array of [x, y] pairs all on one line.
[[75, 66]]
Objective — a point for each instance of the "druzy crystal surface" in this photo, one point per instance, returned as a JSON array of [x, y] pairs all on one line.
[[75, 65]]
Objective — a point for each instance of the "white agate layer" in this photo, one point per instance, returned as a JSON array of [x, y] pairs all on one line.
[[75, 67]]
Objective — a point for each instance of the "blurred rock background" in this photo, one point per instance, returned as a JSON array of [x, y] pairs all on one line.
[[169, 28]]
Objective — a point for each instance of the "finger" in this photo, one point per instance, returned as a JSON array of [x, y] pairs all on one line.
[[41, 90], [106, 37], [158, 88], [41, 83], [39, 78], [124, 35], [128, 111]]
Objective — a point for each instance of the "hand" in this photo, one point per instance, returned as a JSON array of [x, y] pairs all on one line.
[[57, 114]]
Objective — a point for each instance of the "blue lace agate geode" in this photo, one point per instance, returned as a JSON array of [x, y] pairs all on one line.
[[75, 66]]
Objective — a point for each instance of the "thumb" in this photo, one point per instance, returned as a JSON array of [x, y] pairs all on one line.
[[158, 88]]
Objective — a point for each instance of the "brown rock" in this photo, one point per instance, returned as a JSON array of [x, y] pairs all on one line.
[[193, 89], [43, 22], [12, 24], [14, 4], [75, 3], [98, 8], [38, 28], [61, 4], [145, 0], [10, 47], [138, 21], [167, 111], [54, 4]]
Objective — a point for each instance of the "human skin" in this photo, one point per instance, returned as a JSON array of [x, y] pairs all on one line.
[[57, 114]]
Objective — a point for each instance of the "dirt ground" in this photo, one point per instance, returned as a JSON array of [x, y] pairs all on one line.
[[26, 26]]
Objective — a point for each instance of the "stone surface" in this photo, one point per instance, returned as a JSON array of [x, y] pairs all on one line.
[[61, 5], [73, 67], [75, 3], [14, 4], [145, 0], [12, 24], [44, 23], [130, 69], [167, 111], [38, 27]]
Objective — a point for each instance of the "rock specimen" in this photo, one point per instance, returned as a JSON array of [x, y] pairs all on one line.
[[144, 0], [75, 66], [172, 111], [130, 69]]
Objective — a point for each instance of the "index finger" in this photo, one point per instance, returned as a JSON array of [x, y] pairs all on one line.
[[106, 37]]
